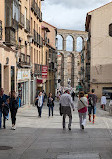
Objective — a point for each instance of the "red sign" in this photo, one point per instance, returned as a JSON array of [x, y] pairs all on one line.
[[44, 71]]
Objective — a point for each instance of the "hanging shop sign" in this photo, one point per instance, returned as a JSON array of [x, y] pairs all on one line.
[[23, 74], [44, 71]]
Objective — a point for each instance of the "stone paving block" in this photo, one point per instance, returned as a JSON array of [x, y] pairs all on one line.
[[80, 156]]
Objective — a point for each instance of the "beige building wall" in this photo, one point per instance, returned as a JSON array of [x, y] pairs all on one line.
[[2, 17], [101, 48], [35, 24], [7, 59], [51, 35], [7, 56]]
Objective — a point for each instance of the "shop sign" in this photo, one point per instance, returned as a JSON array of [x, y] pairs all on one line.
[[23, 74], [44, 71]]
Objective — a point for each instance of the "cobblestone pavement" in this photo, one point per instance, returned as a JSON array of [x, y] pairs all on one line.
[[43, 138]]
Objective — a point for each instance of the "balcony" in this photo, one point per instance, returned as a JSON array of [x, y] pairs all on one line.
[[0, 30], [35, 36], [38, 70], [21, 20], [51, 66], [24, 60], [36, 10], [10, 38], [37, 39], [27, 25]]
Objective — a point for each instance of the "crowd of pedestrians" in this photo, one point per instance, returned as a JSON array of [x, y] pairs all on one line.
[[85, 103]]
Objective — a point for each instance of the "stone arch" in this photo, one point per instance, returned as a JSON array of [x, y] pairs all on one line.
[[69, 43], [80, 44], [74, 55], [60, 42]]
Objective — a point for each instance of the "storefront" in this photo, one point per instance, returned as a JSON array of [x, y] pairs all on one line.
[[23, 86]]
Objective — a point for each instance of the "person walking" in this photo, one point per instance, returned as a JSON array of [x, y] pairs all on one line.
[[66, 103], [13, 104], [82, 109], [5, 111], [103, 102], [73, 95], [92, 100], [50, 103], [39, 103], [3, 98]]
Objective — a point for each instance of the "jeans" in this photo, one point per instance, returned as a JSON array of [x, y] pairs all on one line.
[[90, 109], [50, 108], [39, 111], [13, 117], [0, 118], [67, 111], [82, 118]]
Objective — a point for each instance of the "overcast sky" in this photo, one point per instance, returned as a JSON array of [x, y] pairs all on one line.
[[69, 14]]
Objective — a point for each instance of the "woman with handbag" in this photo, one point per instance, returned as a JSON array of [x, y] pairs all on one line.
[[13, 108], [82, 109], [50, 103]]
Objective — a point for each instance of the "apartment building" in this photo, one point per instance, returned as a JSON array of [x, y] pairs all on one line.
[[7, 54], [36, 47], [21, 47], [49, 34], [99, 28]]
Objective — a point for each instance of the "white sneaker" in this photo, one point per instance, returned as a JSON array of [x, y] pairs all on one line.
[[14, 128]]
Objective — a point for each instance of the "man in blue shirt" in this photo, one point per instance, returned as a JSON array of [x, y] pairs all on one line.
[[3, 99]]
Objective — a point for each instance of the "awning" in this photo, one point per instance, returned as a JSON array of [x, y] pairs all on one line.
[[39, 81]]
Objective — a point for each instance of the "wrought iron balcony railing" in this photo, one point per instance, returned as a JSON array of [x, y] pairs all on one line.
[[10, 38], [21, 20], [27, 25], [38, 69], [24, 59], [36, 9]]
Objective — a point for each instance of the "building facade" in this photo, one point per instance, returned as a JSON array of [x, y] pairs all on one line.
[[49, 34], [36, 47], [99, 53], [20, 47]]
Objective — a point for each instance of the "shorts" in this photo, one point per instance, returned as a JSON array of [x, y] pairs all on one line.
[[92, 109]]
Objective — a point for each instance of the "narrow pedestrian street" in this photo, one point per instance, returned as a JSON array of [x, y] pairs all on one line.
[[44, 138]]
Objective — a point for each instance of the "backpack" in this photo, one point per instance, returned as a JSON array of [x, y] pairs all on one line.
[[90, 100]]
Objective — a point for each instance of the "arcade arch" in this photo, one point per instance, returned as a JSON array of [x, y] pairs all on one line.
[[69, 49]]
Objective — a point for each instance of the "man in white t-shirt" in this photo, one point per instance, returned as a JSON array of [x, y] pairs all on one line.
[[39, 101], [103, 102]]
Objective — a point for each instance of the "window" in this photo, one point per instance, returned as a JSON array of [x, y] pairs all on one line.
[[110, 30], [12, 78], [34, 25], [25, 52], [25, 16], [31, 26], [15, 11]]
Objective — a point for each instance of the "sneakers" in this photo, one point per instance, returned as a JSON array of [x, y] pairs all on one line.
[[69, 127], [83, 127], [13, 127]]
